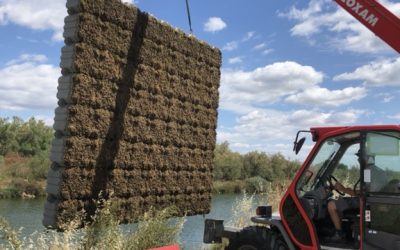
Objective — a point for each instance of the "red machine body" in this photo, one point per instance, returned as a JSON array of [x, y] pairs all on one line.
[[375, 17], [303, 219], [320, 135]]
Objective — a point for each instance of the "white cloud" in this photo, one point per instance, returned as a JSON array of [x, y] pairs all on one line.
[[35, 14], [307, 24], [26, 84], [231, 46], [134, 2], [248, 36], [214, 24], [49, 121], [235, 60], [267, 51], [38, 14], [28, 58], [273, 131], [309, 118], [325, 97], [345, 32], [266, 84], [263, 48], [385, 97], [260, 46], [395, 116], [379, 73]]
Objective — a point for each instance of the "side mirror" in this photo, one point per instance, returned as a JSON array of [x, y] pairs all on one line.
[[298, 145]]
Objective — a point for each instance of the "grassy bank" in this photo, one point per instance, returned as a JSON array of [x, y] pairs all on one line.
[[153, 230], [23, 177], [24, 157]]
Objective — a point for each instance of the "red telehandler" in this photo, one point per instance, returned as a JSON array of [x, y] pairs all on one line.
[[367, 157]]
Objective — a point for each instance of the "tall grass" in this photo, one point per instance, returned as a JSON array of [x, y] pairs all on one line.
[[154, 229], [275, 192], [9, 235], [245, 207]]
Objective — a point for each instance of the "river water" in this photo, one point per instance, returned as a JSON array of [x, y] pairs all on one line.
[[27, 214]]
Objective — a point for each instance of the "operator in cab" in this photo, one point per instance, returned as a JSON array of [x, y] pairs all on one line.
[[338, 206]]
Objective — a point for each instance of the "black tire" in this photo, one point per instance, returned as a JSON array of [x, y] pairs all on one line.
[[250, 238], [280, 244]]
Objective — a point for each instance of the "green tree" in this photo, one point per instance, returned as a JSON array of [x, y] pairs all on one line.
[[291, 168], [279, 164], [34, 137], [257, 164], [8, 130], [25, 138], [228, 164]]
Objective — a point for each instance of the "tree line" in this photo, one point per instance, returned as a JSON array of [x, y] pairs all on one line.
[[27, 138], [24, 157], [251, 171], [26, 145]]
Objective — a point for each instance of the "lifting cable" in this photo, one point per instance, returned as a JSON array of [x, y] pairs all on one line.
[[188, 14]]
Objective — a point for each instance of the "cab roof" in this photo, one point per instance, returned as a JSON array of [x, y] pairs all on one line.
[[321, 132]]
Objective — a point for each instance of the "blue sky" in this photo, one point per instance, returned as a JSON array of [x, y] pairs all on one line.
[[287, 65]]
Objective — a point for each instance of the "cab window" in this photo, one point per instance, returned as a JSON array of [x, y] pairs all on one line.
[[383, 162], [324, 159], [347, 170]]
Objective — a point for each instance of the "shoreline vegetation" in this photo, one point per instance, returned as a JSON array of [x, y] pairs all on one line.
[[24, 157], [154, 229], [24, 163]]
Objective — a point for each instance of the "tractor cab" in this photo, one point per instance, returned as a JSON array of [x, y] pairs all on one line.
[[357, 170], [346, 195]]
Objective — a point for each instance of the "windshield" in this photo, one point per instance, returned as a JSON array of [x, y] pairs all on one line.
[[318, 165], [327, 155]]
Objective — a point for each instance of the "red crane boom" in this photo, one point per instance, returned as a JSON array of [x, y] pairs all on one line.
[[377, 18]]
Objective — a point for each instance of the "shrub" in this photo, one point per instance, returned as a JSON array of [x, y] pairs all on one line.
[[256, 184], [39, 165], [20, 185], [224, 187], [154, 230], [21, 174], [9, 192]]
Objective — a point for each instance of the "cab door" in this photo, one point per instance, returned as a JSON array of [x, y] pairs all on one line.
[[381, 183]]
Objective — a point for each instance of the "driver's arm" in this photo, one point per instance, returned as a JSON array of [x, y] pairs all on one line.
[[345, 190]]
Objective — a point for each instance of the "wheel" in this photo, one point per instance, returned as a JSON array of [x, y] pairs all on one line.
[[280, 245], [250, 238]]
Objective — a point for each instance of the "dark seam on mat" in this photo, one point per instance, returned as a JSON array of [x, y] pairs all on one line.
[[106, 160]]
